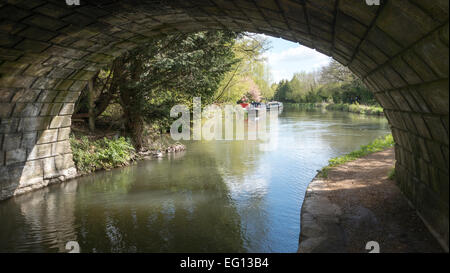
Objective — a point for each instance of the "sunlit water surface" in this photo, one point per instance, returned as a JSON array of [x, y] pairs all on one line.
[[218, 196]]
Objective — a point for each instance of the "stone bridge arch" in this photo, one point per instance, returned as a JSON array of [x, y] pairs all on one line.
[[48, 51]]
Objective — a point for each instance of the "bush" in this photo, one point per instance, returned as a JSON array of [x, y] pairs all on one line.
[[91, 155]]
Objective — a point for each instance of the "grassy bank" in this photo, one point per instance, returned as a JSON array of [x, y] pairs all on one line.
[[93, 152], [345, 107], [356, 108], [91, 155], [377, 145]]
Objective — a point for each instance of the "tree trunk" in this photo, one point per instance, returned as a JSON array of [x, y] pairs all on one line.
[[91, 105], [134, 122], [135, 127]]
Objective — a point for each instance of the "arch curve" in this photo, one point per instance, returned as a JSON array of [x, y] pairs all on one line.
[[48, 51]]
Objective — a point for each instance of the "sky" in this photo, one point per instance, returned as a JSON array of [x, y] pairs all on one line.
[[286, 58]]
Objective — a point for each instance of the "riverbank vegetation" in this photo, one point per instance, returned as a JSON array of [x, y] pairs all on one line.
[[334, 84], [129, 101], [356, 108], [91, 155], [377, 145], [345, 107]]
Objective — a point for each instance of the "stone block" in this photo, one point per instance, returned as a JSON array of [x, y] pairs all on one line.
[[61, 147], [47, 136], [383, 41], [32, 169], [438, 9], [11, 141], [15, 156], [60, 73], [28, 140], [436, 156], [405, 71], [27, 109], [63, 162], [399, 17], [6, 94], [47, 96], [64, 85], [9, 125], [49, 168], [39, 34], [437, 129], [63, 133], [28, 45], [67, 96], [28, 124], [421, 126], [50, 109], [25, 95], [53, 10], [16, 82], [60, 121], [78, 86], [436, 96], [44, 22], [37, 70], [400, 100], [45, 83], [432, 51], [40, 151], [83, 75], [6, 109], [67, 109]]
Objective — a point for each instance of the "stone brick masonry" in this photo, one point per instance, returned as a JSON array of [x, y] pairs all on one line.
[[48, 50]]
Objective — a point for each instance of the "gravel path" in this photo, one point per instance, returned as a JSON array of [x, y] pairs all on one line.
[[356, 204]]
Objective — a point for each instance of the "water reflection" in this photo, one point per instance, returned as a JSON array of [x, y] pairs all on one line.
[[218, 196]]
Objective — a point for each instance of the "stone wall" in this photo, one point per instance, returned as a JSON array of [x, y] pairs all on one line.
[[48, 50]]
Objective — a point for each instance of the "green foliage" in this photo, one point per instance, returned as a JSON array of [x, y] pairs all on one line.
[[169, 70], [334, 83], [377, 145], [175, 68], [100, 154], [356, 108], [249, 76]]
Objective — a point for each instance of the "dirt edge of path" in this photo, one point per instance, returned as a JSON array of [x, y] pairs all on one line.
[[357, 204]]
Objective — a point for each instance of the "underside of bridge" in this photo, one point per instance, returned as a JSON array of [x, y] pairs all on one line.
[[48, 51]]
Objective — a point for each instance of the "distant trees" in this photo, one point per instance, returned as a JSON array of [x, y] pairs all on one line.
[[333, 83]]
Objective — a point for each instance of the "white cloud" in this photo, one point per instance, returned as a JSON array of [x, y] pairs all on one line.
[[284, 63]]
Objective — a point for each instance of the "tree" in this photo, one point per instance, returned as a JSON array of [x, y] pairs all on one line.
[[248, 70], [334, 72], [169, 70], [333, 81]]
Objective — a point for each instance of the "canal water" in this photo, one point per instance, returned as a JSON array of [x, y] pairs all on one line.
[[218, 196]]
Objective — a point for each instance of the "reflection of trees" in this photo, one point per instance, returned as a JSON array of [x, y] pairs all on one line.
[[246, 174], [170, 206], [42, 221]]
